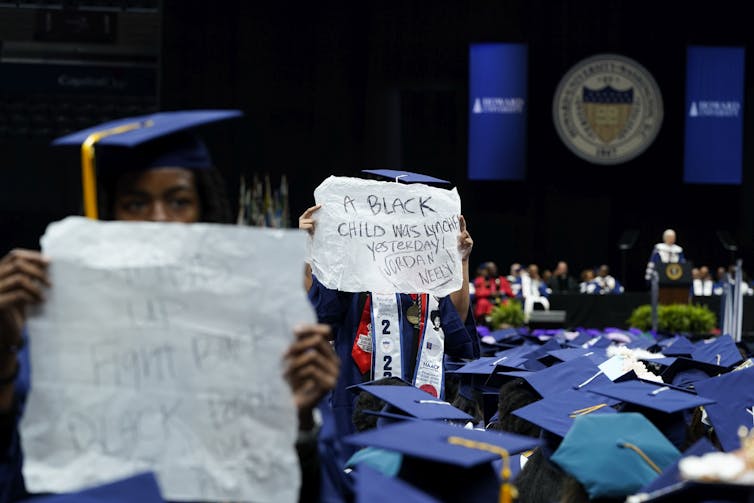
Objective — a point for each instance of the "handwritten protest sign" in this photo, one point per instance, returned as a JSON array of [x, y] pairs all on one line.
[[160, 347], [386, 237]]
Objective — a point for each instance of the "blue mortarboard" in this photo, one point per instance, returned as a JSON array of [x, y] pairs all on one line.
[[414, 402], [676, 346], [556, 413], [581, 339], [372, 487], [671, 487], [517, 358], [505, 335], [452, 365], [458, 459], [641, 342], [579, 373], [614, 455], [404, 176], [481, 372], [734, 404], [651, 396], [720, 351], [540, 352], [685, 372], [597, 355], [136, 143], [142, 487]]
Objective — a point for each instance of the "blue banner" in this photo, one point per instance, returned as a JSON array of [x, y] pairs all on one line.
[[497, 111], [714, 115]]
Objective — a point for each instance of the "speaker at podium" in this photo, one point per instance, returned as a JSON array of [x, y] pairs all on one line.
[[674, 282]]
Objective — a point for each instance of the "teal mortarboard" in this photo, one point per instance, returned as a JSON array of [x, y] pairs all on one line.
[[373, 487], [163, 139], [413, 402], [734, 405], [142, 488], [719, 351], [556, 413], [614, 455], [448, 462], [404, 176]]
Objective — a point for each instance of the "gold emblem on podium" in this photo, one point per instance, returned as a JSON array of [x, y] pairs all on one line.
[[674, 271]]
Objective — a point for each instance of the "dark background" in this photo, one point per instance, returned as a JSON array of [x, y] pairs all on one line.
[[336, 87]]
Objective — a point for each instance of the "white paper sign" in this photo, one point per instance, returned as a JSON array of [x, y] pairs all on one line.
[[160, 347], [386, 237]]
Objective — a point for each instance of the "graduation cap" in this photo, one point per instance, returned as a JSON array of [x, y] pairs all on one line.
[[449, 462], [583, 338], [676, 346], [734, 405], [162, 139], [404, 176], [142, 487], [502, 335], [685, 372], [410, 401], [671, 486], [670, 480], [720, 351], [652, 396], [669, 408], [372, 487], [578, 373], [597, 355], [557, 413], [614, 455]]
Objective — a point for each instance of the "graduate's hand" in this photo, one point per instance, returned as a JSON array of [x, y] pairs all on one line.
[[465, 243], [23, 274], [306, 222], [312, 369]]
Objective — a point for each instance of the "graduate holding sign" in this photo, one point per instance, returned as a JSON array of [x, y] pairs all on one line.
[[154, 169], [395, 234]]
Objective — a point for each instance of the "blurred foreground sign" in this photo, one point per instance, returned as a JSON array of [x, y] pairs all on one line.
[[160, 348]]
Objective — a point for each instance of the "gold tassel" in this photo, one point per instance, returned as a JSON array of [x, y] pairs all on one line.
[[643, 456], [587, 410], [88, 174], [508, 491]]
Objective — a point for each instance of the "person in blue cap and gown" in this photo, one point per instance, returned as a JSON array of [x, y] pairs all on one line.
[[349, 315], [166, 177]]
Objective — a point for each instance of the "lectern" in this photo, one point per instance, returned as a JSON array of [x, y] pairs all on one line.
[[675, 283]]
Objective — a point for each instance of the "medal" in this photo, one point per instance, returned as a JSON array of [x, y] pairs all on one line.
[[413, 313]]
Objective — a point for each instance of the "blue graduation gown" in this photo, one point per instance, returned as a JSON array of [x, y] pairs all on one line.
[[11, 480], [343, 310]]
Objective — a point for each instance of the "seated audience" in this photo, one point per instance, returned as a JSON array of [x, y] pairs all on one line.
[[561, 281]]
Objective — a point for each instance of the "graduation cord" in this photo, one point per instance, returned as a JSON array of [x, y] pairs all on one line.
[[508, 491], [638, 451]]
